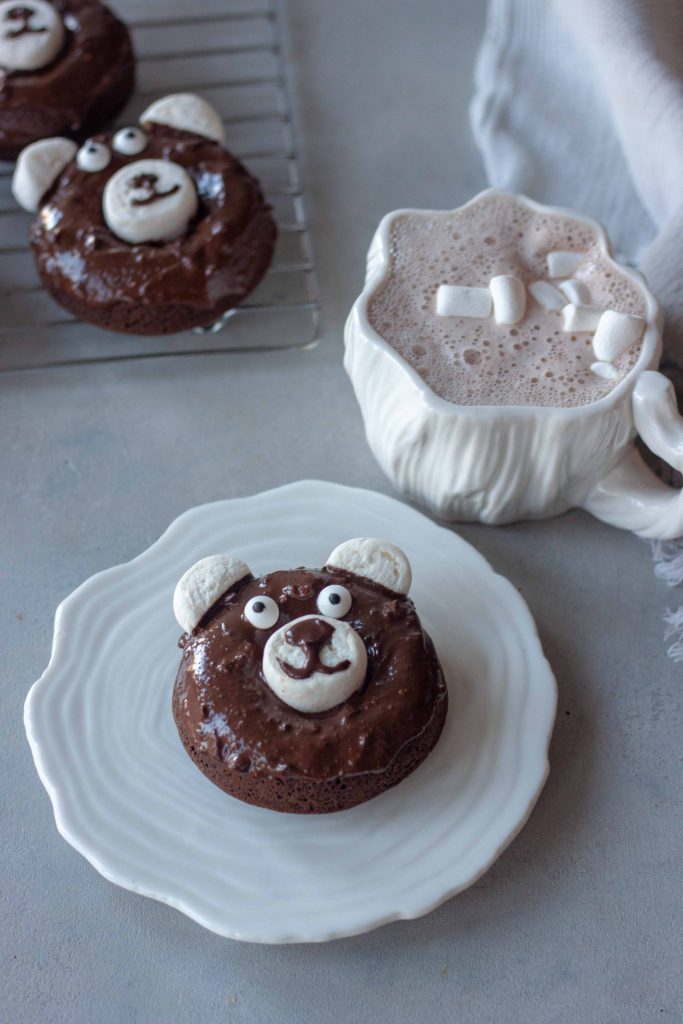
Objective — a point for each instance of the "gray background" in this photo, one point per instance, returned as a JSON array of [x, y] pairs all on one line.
[[577, 921]]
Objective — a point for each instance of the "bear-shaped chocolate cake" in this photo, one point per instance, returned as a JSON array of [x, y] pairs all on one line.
[[152, 229], [306, 690], [66, 68]]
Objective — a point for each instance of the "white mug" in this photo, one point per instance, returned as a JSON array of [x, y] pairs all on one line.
[[498, 464]]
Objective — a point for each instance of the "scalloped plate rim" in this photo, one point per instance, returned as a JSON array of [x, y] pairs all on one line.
[[118, 878]]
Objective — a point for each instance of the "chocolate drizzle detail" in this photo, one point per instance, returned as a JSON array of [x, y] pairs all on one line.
[[311, 635], [23, 17], [149, 182]]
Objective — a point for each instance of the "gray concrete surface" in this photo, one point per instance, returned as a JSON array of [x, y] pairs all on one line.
[[579, 921]]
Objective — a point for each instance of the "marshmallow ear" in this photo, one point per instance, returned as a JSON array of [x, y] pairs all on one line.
[[37, 167], [187, 112], [377, 560], [202, 585]]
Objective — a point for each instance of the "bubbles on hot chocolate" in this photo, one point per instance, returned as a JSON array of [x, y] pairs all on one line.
[[473, 360]]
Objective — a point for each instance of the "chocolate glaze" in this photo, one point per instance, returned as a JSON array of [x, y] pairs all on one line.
[[223, 255], [233, 717], [85, 85]]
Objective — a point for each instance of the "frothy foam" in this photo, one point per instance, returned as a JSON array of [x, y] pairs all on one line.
[[476, 361]]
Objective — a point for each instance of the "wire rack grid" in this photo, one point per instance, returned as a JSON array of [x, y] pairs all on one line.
[[231, 52]]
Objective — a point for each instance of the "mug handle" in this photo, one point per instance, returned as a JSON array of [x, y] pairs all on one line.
[[631, 496]]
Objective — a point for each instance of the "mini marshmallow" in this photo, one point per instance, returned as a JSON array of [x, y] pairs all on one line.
[[509, 298], [576, 291], [577, 317], [458, 300], [563, 264], [31, 34], [149, 201], [37, 167], [188, 112], [615, 333], [202, 585], [377, 560], [320, 690], [548, 296], [606, 370]]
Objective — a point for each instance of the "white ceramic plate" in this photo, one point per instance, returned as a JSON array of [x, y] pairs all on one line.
[[126, 795]]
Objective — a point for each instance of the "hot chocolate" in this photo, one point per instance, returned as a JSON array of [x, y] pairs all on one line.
[[500, 304]]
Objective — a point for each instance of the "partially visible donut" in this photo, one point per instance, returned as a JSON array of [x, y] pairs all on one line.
[[66, 68]]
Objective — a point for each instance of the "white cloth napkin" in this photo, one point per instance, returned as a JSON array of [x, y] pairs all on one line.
[[580, 104]]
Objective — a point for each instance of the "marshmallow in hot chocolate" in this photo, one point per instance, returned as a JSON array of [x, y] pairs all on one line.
[[497, 303]]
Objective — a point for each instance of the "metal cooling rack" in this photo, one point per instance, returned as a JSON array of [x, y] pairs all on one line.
[[231, 52]]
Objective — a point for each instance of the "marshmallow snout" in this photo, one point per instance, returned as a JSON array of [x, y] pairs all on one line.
[[149, 201], [314, 663], [31, 34]]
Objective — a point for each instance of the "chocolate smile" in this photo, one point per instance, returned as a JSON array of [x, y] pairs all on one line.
[[311, 635], [149, 181], [23, 15]]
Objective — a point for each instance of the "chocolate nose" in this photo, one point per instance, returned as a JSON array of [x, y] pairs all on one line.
[[149, 182], [309, 633]]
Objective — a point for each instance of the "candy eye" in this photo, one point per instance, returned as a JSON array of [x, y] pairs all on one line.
[[262, 612], [93, 156], [334, 601], [130, 141]]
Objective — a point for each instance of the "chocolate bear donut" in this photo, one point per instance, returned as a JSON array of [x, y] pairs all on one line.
[[147, 230], [66, 68], [308, 690]]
